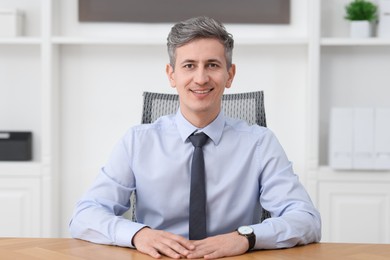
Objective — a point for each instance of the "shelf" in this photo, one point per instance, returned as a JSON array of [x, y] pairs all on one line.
[[161, 41], [354, 42], [24, 169], [106, 41], [271, 41], [325, 173], [21, 41]]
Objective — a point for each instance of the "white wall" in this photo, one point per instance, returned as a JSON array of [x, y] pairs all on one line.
[[101, 90], [20, 97]]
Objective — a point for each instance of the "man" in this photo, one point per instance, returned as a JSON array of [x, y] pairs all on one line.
[[245, 167]]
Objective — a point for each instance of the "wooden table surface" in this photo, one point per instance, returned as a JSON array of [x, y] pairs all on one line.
[[67, 248]]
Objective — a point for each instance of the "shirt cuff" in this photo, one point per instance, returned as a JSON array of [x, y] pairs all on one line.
[[126, 231]]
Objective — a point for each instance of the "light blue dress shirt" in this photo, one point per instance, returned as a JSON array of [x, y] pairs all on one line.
[[245, 166]]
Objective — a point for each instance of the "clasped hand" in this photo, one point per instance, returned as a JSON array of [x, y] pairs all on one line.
[[157, 243]]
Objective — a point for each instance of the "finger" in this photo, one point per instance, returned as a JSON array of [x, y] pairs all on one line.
[[168, 251], [207, 253], [151, 251], [156, 243], [179, 248], [179, 243], [200, 251], [187, 244], [194, 255], [213, 255]]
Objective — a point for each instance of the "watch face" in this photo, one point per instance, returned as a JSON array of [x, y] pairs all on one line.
[[245, 230]]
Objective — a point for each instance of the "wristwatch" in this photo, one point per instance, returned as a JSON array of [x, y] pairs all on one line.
[[248, 232]]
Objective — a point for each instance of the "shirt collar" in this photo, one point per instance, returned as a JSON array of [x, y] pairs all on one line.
[[213, 130]]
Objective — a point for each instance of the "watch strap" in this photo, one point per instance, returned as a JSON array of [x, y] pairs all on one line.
[[251, 239]]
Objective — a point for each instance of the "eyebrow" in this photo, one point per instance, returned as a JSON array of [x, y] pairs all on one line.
[[214, 61], [208, 61]]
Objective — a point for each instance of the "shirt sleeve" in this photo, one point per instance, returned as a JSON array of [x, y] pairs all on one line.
[[295, 220], [98, 215]]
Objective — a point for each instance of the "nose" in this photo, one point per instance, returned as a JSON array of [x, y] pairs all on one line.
[[201, 76]]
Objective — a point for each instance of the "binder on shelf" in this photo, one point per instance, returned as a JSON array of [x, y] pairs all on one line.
[[359, 139], [15, 146], [382, 139], [340, 145], [363, 138], [384, 19], [10, 22]]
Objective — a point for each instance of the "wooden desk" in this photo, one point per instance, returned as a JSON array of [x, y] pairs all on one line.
[[67, 248]]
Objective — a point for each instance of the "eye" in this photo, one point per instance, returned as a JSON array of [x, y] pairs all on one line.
[[188, 66], [213, 65]]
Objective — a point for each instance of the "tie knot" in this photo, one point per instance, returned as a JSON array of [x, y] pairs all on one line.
[[198, 140]]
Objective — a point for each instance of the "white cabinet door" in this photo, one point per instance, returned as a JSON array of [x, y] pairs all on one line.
[[20, 207], [355, 211]]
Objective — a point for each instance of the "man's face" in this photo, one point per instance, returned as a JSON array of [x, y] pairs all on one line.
[[200, 78]]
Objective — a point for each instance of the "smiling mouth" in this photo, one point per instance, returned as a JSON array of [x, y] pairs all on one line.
[[202, 91]]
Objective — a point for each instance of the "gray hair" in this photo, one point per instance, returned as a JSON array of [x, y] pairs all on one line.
[[198, 28]]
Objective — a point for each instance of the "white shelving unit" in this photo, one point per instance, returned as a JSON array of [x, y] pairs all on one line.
[[29, 190], [63, 116], [21, 41], [159, 41], [355, 205], [354, 42]]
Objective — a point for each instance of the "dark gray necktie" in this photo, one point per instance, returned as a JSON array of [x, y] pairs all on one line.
[[197, 221]]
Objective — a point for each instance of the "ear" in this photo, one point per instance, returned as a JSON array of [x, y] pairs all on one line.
[[231, 73], [171, 75]]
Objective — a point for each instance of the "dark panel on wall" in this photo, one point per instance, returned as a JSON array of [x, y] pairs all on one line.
[[171, 11]]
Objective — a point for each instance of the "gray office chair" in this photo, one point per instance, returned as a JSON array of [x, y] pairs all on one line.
[[247, 106]]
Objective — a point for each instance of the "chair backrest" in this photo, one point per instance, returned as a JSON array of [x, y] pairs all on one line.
[[248, 106]]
